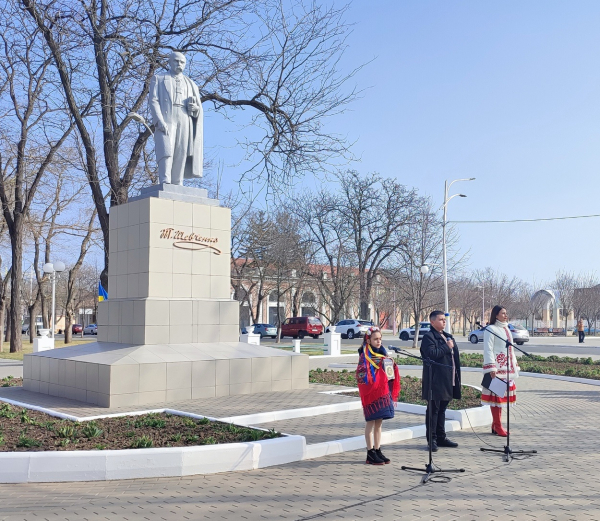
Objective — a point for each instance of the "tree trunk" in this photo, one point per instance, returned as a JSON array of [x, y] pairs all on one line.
[[32, 322], [68, 325], [2, 308], [16, 240], [7, 325]]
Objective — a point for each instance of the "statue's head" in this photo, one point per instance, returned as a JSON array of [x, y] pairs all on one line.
[[176, 62]]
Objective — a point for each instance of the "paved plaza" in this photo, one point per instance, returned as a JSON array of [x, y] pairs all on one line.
[[562, 482]]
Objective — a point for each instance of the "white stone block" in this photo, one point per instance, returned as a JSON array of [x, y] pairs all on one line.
[[143, 463], [14, 467], [43, 343], [222, 458], [279, 451], [250, 338], [67, 466], [332, 344]]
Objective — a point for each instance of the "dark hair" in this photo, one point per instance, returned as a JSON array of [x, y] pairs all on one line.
[[435, 313], [495, 311]]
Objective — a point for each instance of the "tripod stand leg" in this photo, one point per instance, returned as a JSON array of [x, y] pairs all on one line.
[[429, 469]]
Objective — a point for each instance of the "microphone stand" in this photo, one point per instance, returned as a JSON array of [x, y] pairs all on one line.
[[507, 452], [429, 467]]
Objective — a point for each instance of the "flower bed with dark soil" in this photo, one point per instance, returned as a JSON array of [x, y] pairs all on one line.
[[26, 430], [11, 381], [410, 388]]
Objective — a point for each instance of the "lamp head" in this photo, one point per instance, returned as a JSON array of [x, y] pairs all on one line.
[[59, 266], [424, 269], [48, 267], [471, 179], [462, 195]]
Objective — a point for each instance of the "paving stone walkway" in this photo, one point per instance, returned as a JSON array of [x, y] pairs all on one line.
[[562, 482]]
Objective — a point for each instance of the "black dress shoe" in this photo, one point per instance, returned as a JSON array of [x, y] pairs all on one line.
[[447, 443], [434, 447]]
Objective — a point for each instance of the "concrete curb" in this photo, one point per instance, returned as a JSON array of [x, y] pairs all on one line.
[[31, 467]]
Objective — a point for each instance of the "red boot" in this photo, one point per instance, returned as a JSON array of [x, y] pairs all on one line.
[[497, 422]]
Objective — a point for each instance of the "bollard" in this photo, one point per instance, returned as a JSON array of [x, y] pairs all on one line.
[[332, 344], [296, 344], [250, 338], [44, 342]]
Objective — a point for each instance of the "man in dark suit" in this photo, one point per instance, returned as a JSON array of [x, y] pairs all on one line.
[[439, 347]]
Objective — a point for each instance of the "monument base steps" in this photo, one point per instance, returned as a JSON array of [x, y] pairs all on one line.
[[116, 375]]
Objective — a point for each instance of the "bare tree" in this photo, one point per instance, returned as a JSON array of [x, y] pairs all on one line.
[[287, 256], [250, 244], [467, 300], [586, 299], [421, 291], [334, 271], [278, 59], [86, 243], [499, 287], [565, 284], [4, 289], [32, 130], [375, 212]]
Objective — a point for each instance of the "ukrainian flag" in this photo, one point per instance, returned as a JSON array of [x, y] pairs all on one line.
[[102, 294]]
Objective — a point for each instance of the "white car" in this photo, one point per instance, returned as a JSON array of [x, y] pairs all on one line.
[[519, 333], [351, 328], [409, 332], [91, 329]]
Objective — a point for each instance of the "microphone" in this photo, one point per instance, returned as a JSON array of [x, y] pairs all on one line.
[[396, 349]]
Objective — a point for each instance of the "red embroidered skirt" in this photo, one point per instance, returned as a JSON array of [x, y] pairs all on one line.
[[489, 398]]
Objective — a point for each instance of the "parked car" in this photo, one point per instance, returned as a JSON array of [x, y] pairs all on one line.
[[519, 333], [262, 330], [39, 324], [409, 332], [351, 328], [77, 328], [90, 329], [299, 327]]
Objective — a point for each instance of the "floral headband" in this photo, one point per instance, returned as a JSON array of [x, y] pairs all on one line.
[[369, 332]]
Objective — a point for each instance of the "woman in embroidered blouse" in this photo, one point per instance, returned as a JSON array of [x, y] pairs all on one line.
[[377, 393], [495, 363]]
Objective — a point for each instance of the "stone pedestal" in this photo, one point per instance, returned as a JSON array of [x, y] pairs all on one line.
[[332, 343], [169, 271], [42, 343], [169, 329], [250, 338]]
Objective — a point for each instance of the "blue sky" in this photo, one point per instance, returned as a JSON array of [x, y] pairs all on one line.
[[504, 91]]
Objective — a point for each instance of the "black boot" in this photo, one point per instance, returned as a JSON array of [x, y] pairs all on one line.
[[373, 458], [381, 456]]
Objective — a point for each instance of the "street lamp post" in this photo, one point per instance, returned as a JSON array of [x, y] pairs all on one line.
[[52, 270], [446, 201]]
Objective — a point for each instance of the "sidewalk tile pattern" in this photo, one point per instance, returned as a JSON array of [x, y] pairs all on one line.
[[559, 419]]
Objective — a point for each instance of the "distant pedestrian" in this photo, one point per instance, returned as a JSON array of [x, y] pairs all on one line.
[[439, 347], [581, 330], [497, 364], [378, 393]]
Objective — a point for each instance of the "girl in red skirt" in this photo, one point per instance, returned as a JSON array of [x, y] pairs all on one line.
[[378, 393], [496, 363]]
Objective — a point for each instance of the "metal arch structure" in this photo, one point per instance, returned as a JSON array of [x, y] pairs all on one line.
[[551, 300]]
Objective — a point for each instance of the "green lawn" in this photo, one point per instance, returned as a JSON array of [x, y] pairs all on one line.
[[310, 349], [28, 348]]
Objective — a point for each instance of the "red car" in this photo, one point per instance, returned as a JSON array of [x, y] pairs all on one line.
[[299, 327], [76, 328]]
